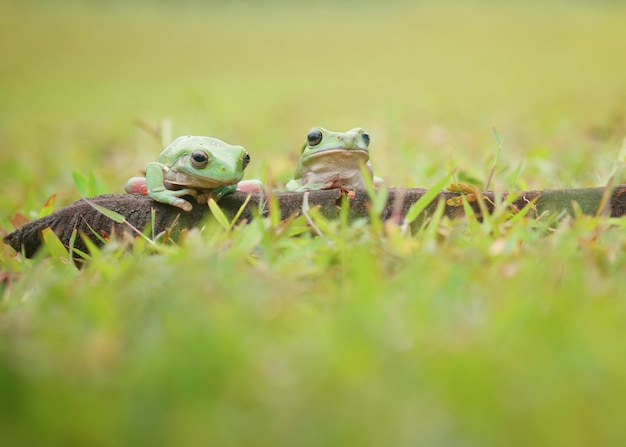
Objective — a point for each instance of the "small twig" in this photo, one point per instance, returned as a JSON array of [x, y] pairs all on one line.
[[153, 131]]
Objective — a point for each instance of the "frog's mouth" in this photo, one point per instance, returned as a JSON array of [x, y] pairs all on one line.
[[340, 152], [191, 181]]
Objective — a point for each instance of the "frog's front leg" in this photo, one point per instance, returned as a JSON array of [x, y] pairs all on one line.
[[296, 185], [155, 183], [293, 185], [299, 185]]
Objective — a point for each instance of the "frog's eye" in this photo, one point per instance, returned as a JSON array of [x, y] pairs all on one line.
[[246, 159], [314, 137], [199, 159], [366, 138]]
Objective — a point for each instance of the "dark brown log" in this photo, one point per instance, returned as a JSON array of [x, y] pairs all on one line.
[[137, 209]]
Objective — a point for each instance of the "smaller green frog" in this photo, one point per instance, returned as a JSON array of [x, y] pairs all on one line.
[[333, 160], [202, 167]]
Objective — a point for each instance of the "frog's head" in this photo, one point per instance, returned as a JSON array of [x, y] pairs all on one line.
[[323, 142], [204, 162]]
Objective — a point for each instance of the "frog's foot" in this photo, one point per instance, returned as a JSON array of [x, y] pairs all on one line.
[[250, 186], [204, 195], [136, 185], [292, 185], [297, 186], [350, 192], [174, 197]]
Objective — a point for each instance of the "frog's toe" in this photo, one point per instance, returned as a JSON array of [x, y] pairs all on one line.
[[183, 204], [184, 192], [171, 199]]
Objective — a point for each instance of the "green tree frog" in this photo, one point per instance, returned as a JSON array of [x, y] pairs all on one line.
[[333, 160], [202, 167]]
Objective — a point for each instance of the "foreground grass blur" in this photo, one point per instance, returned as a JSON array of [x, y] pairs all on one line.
[[461, 333]]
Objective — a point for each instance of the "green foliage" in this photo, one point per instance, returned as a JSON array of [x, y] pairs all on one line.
[[87, 186], [496, 329], [454, 333]]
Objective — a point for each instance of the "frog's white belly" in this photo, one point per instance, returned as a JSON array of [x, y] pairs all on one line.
[[341, 168]]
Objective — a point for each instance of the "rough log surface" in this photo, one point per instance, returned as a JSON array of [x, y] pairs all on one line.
[[137, 210]]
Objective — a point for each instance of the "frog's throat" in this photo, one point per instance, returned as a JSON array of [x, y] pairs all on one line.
[[339, 151]]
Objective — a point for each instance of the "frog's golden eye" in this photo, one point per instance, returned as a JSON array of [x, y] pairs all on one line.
[[314, 137], [246, 159], [199, 159], [366, 138]]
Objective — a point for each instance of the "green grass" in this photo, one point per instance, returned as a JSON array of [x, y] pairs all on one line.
[[459, 333]]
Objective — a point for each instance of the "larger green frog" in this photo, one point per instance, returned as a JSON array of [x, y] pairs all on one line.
[[198, 166], [333, 160]]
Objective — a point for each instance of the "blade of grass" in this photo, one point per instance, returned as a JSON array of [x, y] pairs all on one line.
[[378, 196], [153, 223], [219, 215], [240, 211], [432, 228], [72, 242], [54, 245], [305, 211], [81, 183], [418, 207], [48, 207], [95, 233], [495, 161], [117, 217], [524, 211], [611, 182]]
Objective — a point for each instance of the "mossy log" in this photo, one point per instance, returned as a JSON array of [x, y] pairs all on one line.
[[137, 209]]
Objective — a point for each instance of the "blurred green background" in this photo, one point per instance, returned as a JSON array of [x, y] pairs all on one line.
[[465, 334], [429, 80]]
